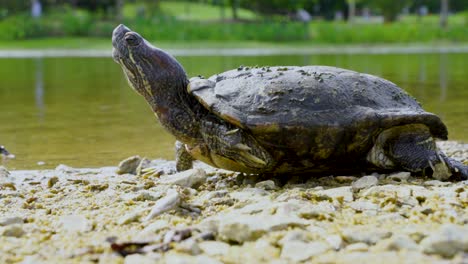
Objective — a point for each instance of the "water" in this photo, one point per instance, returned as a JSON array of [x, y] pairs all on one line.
[[81, 112]]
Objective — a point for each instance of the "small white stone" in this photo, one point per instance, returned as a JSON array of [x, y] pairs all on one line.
[[301, 251], [335, 241], [12, 231], [138, 259], [167, 203], [266, 185], [190, 178], [214, 248], [130, 217], [75, 223], [400, 176], [364, 234], [344, 193], [188, 246], [11, 220], [447, 241], [357, 247], [365, 182], [364, 205], [129, 165]]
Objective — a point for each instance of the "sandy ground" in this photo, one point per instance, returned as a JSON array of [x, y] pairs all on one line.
[[206, 215]]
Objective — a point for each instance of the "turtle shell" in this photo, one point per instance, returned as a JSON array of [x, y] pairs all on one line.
[[311, 109]]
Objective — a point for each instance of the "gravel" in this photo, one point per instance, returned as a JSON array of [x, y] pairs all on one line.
[[207, 215]]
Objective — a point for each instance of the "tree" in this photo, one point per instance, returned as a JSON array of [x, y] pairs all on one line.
[[389, 8], [444, 8]]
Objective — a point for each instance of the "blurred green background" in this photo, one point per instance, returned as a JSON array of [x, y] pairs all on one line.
[[61, 106], [302, 21]]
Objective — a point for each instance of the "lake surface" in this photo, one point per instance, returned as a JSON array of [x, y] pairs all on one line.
[[81, 112]]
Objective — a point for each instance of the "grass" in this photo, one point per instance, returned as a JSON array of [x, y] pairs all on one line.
[[190, 24], [191, 11]]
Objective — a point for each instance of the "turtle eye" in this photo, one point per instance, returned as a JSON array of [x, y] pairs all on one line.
[[132, 39]]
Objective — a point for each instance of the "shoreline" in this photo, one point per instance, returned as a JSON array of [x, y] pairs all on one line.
[[267, 50]]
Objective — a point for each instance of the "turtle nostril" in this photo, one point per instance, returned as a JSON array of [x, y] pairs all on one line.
[[131, 39]]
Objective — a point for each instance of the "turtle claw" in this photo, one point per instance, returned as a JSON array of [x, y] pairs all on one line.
[[253, 159]]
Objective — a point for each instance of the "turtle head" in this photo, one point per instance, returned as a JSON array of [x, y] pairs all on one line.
[[150, 71]]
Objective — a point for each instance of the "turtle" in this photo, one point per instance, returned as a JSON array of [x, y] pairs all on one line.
[[285, 120]]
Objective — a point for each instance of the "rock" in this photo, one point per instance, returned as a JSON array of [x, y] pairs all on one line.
[[400, 242], [399, 176], [266, 185], [4, 221], [364, 205], [188, 246], [364, 235], [449, 240], [129, 165], [12, 231], [436, 183], [167, 203], [173, 257], [364, 183], [295, 235], [241, 228], [362, 247], [300, 251], [75, 223], [214, 248], [130, 217], [389, 190], [319, 211], [335, 241], [340, 193], [139, 259], [190, 178]]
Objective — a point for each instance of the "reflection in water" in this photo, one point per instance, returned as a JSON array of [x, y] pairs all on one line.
[[39, 88], [90, 117], [443, 76]]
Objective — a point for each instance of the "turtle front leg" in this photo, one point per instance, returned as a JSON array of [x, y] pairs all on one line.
[[183, 159], [413, 148], [232, 148]]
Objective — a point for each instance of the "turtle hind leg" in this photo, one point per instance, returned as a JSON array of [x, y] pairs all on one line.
[[413, 148]]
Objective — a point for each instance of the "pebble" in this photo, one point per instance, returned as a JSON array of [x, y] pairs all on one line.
[[364, 183], [243, 228], [75, 223], [129, 165], [4, 221], [399, 176], [138, 259], [339, 193], [130, 217], [364, 235], [266, 185], [362, 247], [335, 241], [167, 203], [449, 240], [214, 248], [301, 251], [12, 231], [190, 178]]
